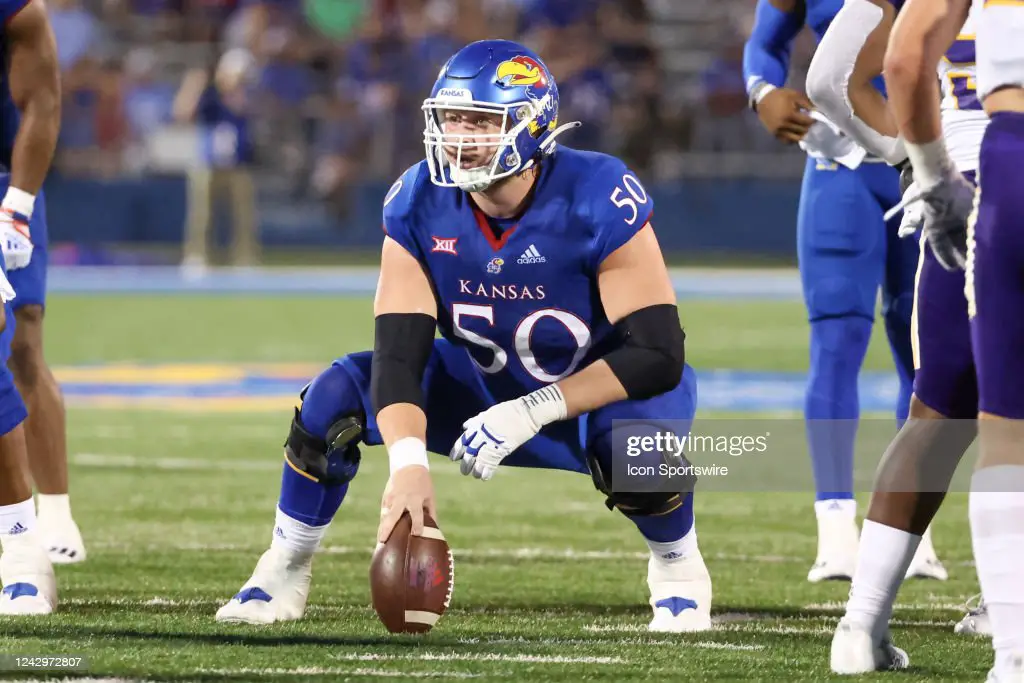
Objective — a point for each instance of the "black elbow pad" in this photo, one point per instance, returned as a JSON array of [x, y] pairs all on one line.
[[653, 355], [402, 346]]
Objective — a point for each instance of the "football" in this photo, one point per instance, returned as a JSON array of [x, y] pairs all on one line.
[[412, 577]]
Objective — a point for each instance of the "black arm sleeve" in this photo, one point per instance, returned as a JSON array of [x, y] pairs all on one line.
[[652, 356], [401, 346]]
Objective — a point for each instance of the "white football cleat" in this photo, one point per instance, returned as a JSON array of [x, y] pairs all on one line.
[[680, 594], [926, 564], [976, 622], [29, 586], [63, 540], [838, 541], [855, 651], [277, 590]]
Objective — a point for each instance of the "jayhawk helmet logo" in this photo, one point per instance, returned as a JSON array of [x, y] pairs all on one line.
[[522, 71]]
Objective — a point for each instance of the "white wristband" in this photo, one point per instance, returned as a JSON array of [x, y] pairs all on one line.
[[931, 162], [546, 405], [406, 452], [19, 201]]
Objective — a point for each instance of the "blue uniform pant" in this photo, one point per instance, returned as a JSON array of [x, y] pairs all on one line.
[[847, 252]]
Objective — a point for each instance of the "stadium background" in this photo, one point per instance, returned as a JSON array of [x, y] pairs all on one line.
[[180, 377], [332, 104]]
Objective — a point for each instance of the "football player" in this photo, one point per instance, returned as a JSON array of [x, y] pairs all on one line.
[[994, 260], [540, 267], [919, 464], [846, 250], [30, 86], [45, 428]]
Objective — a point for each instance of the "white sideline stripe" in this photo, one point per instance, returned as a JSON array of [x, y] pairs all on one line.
[[323, 671], [417, 616], [488, 657]]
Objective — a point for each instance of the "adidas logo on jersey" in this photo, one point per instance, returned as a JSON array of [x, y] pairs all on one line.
[[531, 255]]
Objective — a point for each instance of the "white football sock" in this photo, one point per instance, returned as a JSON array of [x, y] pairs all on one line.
[[55, 506], [838, 506], [674, 551], [294, 536], [17, 520], [996, 507], [884, 556]]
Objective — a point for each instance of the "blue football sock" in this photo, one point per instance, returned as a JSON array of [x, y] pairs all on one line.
[[668, 527], [832, 405]]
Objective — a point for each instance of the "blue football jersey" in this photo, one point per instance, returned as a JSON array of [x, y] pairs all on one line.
[[9, 118], [525, 303]]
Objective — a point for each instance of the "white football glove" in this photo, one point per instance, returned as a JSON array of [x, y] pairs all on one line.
[[947, 207], [913, 212], [494, 434], [15, 240]]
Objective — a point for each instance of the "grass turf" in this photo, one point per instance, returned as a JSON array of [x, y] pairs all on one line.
[[550, 586]]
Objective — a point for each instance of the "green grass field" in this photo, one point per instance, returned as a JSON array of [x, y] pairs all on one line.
[[550, 586]]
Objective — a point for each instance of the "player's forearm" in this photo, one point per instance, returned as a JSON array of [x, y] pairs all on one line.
[[766, 53], [650, 361], [591, 388], [922, 34], [919, 39], [402, 346], [840, 78], [913, 92], [34, 80], [403, 428], [35, 143]]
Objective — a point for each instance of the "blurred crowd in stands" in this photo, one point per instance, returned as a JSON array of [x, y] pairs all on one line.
[[311, 96]]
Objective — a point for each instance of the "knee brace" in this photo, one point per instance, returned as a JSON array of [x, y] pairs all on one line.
[[639, 503], [330, 460], [897, 309]]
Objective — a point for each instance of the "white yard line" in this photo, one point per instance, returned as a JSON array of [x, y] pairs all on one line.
[[337, 671], [481, 657], [525, 553]]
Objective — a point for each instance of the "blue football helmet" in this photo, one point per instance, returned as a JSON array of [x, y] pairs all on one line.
[[492, 77]]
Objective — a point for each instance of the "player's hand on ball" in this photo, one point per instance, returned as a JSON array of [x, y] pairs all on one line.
[[947, 206], [15, 240], [492, 436], [409, 489]]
